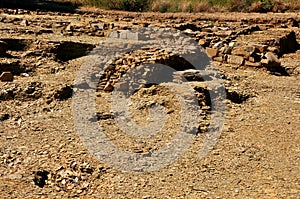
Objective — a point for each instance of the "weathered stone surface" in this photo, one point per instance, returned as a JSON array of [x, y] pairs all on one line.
[[241, 52], [251, 59], [253, 64], [233, 59], [6, 77], [284, 39]]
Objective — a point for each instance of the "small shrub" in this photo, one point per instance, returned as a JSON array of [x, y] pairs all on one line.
[[279, 6], [267, 5], [237, 5], [191, 5], [256, 7]]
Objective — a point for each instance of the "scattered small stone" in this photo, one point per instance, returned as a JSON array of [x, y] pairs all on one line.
[[203, 42], [69, 28], [24, 75], [24, 23]]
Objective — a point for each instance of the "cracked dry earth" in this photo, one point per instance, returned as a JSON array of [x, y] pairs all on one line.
[[42, 155]]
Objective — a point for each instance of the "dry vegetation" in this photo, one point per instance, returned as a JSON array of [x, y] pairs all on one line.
[[194, 5]]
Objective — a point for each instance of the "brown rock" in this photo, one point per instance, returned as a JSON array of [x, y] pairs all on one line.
[[233, 59], [218, 59], [251, 59], [6, 77], [202, 42], [241, 52], [212, 52], [251, 64]]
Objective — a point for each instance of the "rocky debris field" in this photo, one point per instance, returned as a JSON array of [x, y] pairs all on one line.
[[257, 57]]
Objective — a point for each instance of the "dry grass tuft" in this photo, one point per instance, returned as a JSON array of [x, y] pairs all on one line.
[[194, 5], [202, 6], [162, 5]]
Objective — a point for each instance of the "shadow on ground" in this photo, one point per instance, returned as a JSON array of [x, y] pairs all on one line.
[[43, 5]]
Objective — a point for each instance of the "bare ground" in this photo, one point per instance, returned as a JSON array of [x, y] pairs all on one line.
[[42, 156]]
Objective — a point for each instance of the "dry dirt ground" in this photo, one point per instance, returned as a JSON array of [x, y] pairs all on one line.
[[42, 155]]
